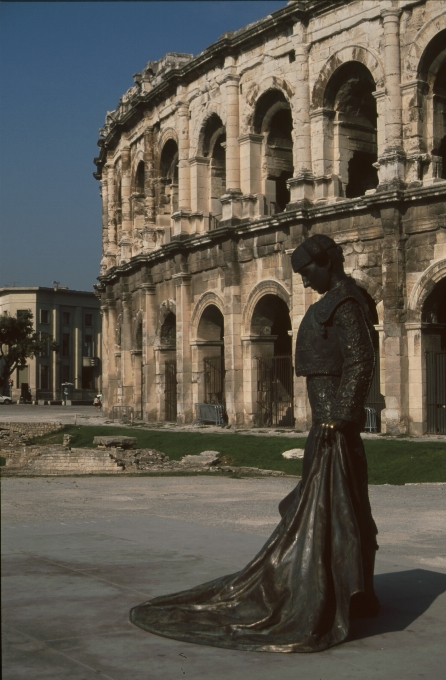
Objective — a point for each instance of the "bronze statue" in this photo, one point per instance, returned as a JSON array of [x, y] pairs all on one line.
[[315, 572]]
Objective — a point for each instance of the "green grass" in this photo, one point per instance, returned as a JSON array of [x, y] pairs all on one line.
[[389, 461]]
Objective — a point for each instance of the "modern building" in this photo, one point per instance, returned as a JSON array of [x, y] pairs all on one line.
[[71, 318], [327, 116]]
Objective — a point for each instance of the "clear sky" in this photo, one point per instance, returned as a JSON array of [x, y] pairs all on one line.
[[62, 66]]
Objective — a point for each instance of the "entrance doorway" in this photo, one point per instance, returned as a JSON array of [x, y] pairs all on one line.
[[271, 327], [170, 392], [433, 319]]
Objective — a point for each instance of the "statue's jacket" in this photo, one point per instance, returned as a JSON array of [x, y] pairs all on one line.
[[335, 339]]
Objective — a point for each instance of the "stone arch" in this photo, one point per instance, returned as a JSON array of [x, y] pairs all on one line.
[[360, 53], [165, 135], [206, 299], [255, 92], [212, 108], [166, 307], [419, 44], [137, 159], [269, 287], [425, 284]]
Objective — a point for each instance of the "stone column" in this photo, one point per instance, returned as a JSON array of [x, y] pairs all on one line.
[[112, 227], [199, 184], [181, 224], [251, 175], [233, 345], [126, 347], [126, 238], [301, 185], [394, 343], [326, 183], [185, 407], [149, 178], [110, 382], [391, 165], [149, 397], [416, 379], [231, 203], [103, 350], [105, 235]]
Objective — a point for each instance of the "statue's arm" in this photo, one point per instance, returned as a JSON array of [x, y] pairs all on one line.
[[359, 360]]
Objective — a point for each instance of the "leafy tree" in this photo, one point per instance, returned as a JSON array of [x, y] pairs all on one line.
[[18, 342]]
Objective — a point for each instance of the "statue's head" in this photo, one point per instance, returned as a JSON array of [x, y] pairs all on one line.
[[318, 260]]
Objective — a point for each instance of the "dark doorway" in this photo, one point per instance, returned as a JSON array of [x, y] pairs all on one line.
[[170, 391], [375, 399], [271, 324]]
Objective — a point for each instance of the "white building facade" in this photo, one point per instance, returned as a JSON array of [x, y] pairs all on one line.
[[72, 319]]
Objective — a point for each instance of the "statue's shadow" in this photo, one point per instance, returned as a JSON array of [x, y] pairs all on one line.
[[404, 596]]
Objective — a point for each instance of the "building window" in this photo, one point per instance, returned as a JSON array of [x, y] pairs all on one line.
[[21, 313], [66, 318], [65, 344], [65, 370], [44, 316], [89, 319], [88, 346], [44, 377], [45, 351]]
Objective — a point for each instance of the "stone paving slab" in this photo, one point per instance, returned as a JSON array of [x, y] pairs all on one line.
[[74, 566]]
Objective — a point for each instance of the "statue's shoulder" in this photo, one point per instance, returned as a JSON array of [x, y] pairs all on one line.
[[345, 290]]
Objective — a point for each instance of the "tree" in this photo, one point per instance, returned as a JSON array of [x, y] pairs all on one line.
[[18, 342]]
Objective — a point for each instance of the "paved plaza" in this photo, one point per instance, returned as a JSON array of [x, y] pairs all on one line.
[[79, 552]]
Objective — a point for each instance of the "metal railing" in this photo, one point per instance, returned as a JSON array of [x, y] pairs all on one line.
[[210, 413], [370, 420]]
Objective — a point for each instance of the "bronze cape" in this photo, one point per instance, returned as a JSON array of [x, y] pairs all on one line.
[[294, 596]]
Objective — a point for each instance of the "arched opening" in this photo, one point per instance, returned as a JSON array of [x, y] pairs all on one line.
[[432, 70], [439, 105], [349, 95], [433, 325], [168, 342], [210, 341], [213, 142], [271, 334], [137, 198], [375, 399], [272, 118], [138, 335], [167, 185]]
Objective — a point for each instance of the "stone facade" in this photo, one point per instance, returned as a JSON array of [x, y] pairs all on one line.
[[324, 117], [70, 317]]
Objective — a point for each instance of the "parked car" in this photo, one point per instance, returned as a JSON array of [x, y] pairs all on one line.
[[5, 400]]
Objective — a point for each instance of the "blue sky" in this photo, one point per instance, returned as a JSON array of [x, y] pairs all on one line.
[[62, 66]]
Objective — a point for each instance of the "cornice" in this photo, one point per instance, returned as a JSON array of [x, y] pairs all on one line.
[[229, 43], [306, 215]]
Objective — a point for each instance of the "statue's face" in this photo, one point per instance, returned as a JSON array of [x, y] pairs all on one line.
[[316, 277]]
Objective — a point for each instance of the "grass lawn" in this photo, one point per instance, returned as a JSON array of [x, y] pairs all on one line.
[[389, 461]]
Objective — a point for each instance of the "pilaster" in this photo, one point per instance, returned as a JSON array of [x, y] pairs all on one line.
[[185, 407]]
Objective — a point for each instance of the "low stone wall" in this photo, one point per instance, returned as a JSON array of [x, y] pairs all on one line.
[[61, 460], [19, 434], [57, 460]]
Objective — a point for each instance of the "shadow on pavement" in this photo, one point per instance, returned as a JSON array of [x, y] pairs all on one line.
[[404, 597]]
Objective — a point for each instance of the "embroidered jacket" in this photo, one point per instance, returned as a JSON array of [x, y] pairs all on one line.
[[334, 339]]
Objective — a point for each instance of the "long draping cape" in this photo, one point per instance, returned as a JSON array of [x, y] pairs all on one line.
[[294, 596]]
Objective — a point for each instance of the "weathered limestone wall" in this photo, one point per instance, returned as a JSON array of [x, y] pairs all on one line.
[[320, 118]]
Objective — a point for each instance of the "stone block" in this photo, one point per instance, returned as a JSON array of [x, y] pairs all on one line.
[[116, 440]]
